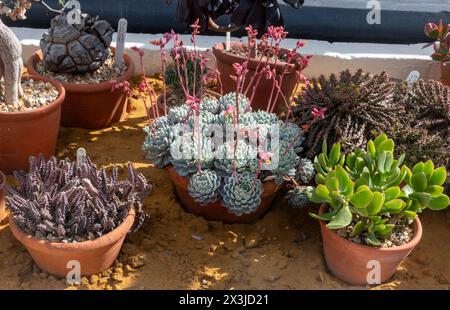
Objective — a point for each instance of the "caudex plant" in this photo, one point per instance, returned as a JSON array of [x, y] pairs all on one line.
[[371, 189], [441, 45]]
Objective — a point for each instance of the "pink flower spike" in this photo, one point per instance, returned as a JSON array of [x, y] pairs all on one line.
[[229, 110], [138, 50], [300, 44], [318, 113]]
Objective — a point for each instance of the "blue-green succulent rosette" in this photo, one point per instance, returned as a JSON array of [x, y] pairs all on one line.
[[232, 169]]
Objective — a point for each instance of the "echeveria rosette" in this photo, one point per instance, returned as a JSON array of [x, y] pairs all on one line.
[[204, 186], [245, 158], [287, 162], [210, 104], [178, 114], [188, 150], [230, 100], [245, 119], [305, 171], [298, 197], [157, 142], [261, 117], [241, 194], [291, 133], [205, 118]]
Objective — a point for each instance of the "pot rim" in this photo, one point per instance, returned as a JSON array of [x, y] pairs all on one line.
[[219, 49], [417, 227], [84, 87], [269, 187], [36, 113], [103, 241]]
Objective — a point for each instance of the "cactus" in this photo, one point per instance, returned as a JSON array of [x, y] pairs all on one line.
[[370, 187], [204, 186], [241, 194], [60, 201]]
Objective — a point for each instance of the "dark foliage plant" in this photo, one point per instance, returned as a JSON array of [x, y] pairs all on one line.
[[61, 201]]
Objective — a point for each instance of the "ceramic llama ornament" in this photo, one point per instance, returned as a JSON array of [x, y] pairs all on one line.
[[11, 65]]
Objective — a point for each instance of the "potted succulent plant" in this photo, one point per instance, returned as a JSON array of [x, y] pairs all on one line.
[[30, 108], [63, 211], [2, 196], [441, 45], [370, 206], [273, 71], [216, 150], [79, 56]]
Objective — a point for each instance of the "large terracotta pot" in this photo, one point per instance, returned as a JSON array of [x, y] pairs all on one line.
[[2, 196], [215, 211], [94, 256], [93, 105], [27, 133], [349, 261], [445, 74], [225, 63]]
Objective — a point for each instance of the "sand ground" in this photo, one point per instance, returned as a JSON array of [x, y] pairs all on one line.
[[178, 250]]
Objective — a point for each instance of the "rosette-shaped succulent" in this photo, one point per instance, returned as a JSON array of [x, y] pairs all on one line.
[[291, 133], [261, 117], [210, 104], [186, 160], [241, 194], [205, 118], [230, 100], [157, 142], [298, 197], [178, 114], [225, 154], [204, 186], [287, 162], [226, 119], [76, 48], [305, 171]]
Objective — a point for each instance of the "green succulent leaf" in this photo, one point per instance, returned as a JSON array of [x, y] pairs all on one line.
[[372, 239], [371, 149], [385, 229], [362, 197], [376, 204], [358, 228], [392, 193], [418, 168], [410, 215], [394, 205], [320, 195], [428, 169], [335, 153], [435, 190], [438, 177], [439, 203], [345, 183], [387, 145], [324, 217], [380, 139], [319, 178], [419, 182], [342, 219]]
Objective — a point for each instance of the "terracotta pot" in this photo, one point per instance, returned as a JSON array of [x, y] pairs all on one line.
[[94, 256], [225, 63], [445, 74], [2, 196], [348, 261], [160, 99], [215, 211], [93, 105], [27, 133]]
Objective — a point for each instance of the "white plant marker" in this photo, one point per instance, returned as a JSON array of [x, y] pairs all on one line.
[[228, 41], [412, 78], [81, 154], [120, 45]]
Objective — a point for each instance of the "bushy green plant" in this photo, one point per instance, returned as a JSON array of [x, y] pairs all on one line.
[[372, 186], [172, 79]]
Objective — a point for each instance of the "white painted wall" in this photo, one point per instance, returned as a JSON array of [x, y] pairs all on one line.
[[397, 60]]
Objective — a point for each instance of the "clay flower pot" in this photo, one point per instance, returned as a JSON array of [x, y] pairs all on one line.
[[93, 105], [27, 133], [348, 261], [215, 211], [445, 74], [225, 63], [94, 256], [160, 99], [2, 196]]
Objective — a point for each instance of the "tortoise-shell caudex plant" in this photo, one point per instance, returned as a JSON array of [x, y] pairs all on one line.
[[372, 191], [218, 151], [63, 211]]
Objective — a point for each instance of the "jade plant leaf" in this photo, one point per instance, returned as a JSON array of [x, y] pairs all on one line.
[[362, 197], [376, 204], [439, 203], [342, 219], [438, 177], [419, 182], [324, 217], [394, 205]]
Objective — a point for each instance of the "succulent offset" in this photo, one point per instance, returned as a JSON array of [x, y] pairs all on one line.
[[76, 48], [225, 168], [65, 202]]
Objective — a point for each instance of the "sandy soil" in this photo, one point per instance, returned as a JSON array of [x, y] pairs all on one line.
[[177, 250]]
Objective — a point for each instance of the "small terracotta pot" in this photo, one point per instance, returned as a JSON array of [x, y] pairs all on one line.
[[2, 196], [225, 63], [90, 106], [445, 74], [348, 261], [27, 133], [215, 211], [94, 256]]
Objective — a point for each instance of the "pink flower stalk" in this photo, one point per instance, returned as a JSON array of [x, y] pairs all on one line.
[[318, 113], [124, 86], [138, 50]]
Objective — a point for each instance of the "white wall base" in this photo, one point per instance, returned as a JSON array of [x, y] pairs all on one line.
[[398, 60]]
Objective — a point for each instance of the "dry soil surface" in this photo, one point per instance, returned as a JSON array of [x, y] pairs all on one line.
[[178, 250]]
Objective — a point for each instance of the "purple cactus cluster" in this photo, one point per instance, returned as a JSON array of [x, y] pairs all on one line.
[[62, 201]]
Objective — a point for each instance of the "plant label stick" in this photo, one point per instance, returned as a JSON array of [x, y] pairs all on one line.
[[228, 41], [120, 45], [412, 78], [81, 154]]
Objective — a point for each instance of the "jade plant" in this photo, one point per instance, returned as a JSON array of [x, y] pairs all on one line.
[[346, 109], [63, 201], [371, 189]]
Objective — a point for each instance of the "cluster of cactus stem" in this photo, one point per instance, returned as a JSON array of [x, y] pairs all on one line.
[[352, 105], [70, 202], [368, 187]]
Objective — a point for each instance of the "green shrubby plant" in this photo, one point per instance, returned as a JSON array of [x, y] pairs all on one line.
[[370, 187]]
